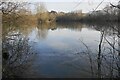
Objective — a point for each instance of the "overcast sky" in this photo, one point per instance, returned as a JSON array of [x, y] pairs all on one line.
[[71, 5], [72, 0]]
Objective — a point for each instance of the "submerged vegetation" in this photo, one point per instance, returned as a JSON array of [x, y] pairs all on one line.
[[106, 63], [16, 55]]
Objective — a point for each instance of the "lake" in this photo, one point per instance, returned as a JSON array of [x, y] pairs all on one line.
[[70, 50]]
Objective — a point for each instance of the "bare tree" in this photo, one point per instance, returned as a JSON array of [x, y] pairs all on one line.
[[8, 7], [40, 7], [117, 6], [16, 53]]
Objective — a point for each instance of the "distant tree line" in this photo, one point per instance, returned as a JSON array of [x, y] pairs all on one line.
[[68, 17], [16, 12], [109, 13]]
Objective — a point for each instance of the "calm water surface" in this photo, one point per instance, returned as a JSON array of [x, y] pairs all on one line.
[[57, 51], [60, 50]]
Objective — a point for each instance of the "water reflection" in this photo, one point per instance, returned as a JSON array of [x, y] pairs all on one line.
[[72, 49], [108, 51]]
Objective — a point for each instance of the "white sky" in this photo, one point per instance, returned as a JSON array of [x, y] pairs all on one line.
[[72, 0], [70, 5]]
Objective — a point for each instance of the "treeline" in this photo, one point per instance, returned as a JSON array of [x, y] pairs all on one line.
[[109, 13], [68, 17], [19, 13], [16, 13]]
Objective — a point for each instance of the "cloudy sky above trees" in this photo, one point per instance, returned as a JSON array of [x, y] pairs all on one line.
[[72, 5]]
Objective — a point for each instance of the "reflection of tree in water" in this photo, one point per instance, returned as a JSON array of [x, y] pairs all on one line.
[[107, 60], [24, 29], [42, 31], [107, 27], [71, 25]]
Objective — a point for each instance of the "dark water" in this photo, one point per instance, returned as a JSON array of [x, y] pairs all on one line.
[[61, 50]]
